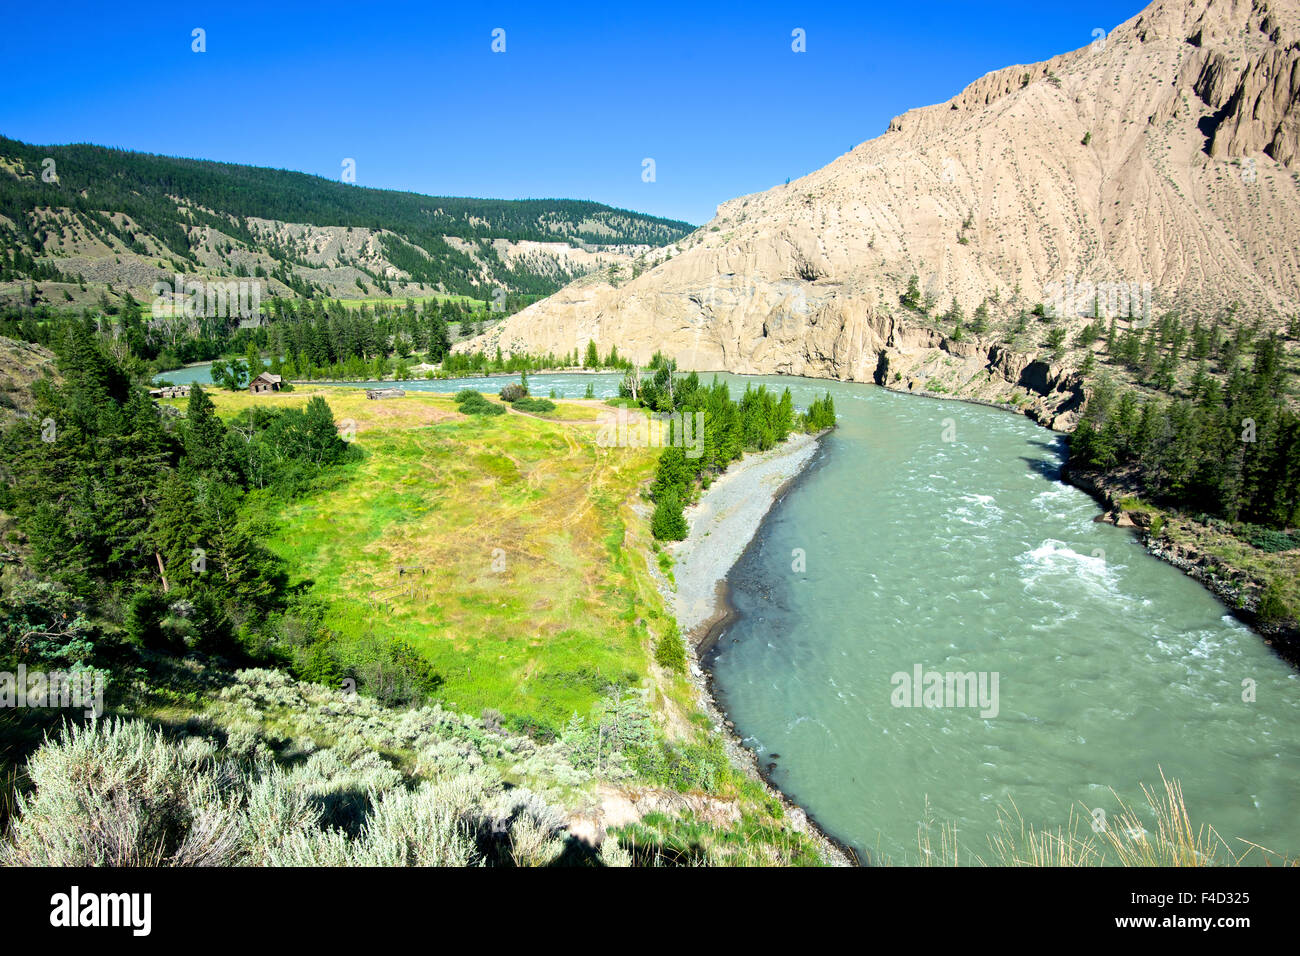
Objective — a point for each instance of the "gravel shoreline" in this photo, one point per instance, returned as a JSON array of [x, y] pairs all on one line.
[[722, 525]]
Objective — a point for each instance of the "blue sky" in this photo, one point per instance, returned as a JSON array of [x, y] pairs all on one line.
[[581, 95]]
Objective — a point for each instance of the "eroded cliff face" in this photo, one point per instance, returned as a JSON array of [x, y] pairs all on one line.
[[1249, 74], [1158, 155]]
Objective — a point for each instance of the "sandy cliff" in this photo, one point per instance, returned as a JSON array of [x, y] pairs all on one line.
[[1162, 153]]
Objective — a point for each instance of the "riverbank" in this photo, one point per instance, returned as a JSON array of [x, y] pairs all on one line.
[[1200, 551], [722, 525], [1059, 597]]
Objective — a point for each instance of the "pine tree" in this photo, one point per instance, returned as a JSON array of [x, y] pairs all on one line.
[[253, 358], [785, 415], [673, 473], [176, 531], [205, 435], [911, 299], [668, 522]]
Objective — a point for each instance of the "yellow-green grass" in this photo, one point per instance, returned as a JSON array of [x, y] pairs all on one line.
[[571, 411], [417, 299], [1281, 568], [531, 593]]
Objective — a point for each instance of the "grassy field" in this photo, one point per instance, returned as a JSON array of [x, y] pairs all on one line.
[[573, 410], [529, 591], [400, 301], [528, 588]]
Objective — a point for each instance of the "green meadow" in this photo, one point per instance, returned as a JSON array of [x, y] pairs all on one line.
[[502, 548]]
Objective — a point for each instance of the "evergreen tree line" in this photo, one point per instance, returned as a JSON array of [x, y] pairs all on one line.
[[481, 362], [19, 265], [1231, 450], [1155, 356], [314, 335], [759, 420], [93, 180], [1219, 439], [101, 178]]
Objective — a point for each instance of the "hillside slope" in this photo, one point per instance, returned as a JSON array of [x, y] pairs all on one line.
[[21, 363], [1163, 154], [127, 219]]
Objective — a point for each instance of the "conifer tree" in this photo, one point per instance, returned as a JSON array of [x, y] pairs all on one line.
[[205, 435], [668, 522]]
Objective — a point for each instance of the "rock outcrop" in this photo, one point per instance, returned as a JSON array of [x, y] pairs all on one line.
[[1159, 155]]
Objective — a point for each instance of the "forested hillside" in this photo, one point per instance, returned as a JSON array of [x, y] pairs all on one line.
[[82, 213]]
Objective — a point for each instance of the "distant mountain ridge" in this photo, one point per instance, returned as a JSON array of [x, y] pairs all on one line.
[[69, 211]]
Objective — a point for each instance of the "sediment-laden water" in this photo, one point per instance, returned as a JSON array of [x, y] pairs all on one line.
[[970, 555]]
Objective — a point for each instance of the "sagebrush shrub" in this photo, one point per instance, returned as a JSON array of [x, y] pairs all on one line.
[[116, 793], [119, 793], [513, 392]]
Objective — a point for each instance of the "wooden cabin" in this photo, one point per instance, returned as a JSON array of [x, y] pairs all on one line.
[[170, 391], [266, 382]]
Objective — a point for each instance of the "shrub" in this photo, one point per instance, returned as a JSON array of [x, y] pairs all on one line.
[[670, 649], [46, 621], [1268, 539], [473, 403], [117, 794], [144, 617], [319, 664], [535, 405], [513, 392], [686, 766], [1272, 605]]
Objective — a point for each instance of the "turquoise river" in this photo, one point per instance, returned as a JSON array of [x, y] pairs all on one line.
[[934, 536]]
